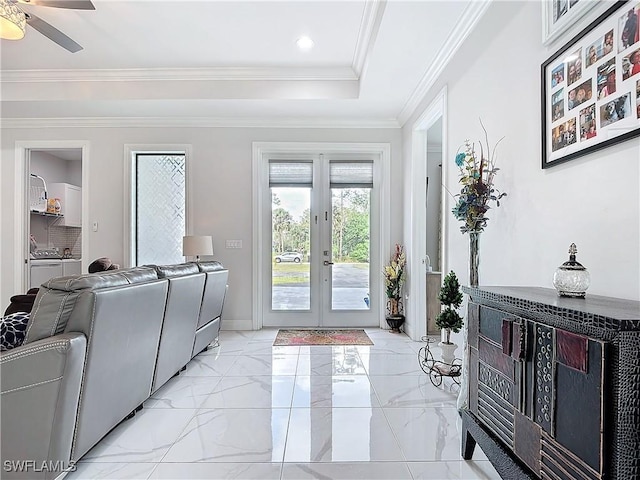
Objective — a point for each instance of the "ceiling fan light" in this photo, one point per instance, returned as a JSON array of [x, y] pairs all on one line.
[[13, 21]]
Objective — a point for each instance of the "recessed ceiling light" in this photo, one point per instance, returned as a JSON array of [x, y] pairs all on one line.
[[305, 43]]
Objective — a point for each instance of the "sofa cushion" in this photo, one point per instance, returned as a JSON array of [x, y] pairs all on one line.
[[109, 278], [22, 303], [12, 330], [211, 266], [177, 270], [215, 288], [56, 299], [102, 264]]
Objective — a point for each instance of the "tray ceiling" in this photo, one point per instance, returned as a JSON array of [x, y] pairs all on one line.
[[215, 62]]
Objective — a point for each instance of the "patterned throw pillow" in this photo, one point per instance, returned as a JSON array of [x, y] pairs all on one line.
[[12, 330]]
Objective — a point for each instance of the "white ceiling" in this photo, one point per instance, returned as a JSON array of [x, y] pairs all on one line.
[[234, 61]]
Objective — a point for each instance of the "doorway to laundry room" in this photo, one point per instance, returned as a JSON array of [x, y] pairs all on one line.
[[51, 238]]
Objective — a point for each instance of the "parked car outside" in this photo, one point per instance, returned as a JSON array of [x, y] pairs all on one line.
[[289, 257]]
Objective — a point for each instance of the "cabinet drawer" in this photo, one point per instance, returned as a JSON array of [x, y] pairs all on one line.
[[501, 328], [564, 378]]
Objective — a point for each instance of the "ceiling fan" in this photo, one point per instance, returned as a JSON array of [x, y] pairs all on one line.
[[13, 20]]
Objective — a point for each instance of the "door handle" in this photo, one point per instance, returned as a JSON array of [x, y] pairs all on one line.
[[326, 263]]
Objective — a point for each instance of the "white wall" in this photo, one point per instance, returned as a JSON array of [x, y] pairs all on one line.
[[74, 172], [221, 168], [55, 169], [593, 201]]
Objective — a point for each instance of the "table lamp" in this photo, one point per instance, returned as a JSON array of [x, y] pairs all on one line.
[[196, 245]]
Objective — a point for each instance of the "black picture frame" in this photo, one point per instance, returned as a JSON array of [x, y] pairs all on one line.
[[591, 87], [559, 15]]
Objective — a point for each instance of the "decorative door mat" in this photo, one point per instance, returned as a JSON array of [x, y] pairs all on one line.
[[322, 337]]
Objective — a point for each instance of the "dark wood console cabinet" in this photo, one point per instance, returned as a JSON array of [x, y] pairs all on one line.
[[554, 384]]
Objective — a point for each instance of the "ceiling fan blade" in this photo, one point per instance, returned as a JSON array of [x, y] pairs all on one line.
[[73, 4], [52, 33]]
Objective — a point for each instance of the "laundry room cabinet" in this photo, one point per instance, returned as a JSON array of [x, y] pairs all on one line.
[[70, 203], [71, 267]]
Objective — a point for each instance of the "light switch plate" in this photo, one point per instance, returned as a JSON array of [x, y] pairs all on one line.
[[233, 244]]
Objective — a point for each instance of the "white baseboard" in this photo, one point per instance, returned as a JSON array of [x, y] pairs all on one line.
[[236, 324]]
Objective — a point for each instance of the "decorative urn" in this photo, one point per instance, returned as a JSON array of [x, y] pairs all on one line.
[[571, 278]]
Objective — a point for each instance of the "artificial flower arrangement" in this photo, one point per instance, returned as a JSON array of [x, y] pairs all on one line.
[[477, 173], [394, 278]]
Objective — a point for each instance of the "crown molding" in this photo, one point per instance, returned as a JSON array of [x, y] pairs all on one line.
[[180, 74], [456, 38], [369, 27], [198, 122]]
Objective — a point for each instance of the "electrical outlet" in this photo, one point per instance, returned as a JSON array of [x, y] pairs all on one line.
[[94, 227]]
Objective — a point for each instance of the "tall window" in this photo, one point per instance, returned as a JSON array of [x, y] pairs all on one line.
[[291, 182], [351, 182], [159, 213]]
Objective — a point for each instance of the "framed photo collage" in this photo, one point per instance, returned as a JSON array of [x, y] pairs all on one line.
[[591, 87]]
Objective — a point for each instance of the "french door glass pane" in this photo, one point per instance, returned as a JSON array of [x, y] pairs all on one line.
[[160, 219], [290, 240], [350, 246]]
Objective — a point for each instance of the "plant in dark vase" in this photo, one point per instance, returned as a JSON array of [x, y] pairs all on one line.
[[449, 319], [394, 278]]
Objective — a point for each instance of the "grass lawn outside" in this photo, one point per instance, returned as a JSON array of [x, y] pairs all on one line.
[[287, 273], [290, 273]]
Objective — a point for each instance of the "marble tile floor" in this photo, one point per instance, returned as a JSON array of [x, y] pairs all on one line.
[[249, 410]]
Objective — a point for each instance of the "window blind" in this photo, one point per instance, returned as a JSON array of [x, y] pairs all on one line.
[[290, 173], [351, 173]]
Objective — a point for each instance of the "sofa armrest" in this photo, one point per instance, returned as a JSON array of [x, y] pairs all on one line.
[[39, 402]]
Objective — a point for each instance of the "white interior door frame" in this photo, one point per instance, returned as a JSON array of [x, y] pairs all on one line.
[[21, 213], [260, 153], [417, 311]]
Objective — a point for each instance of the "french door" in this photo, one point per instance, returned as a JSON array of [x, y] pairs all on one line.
[[321, 232]]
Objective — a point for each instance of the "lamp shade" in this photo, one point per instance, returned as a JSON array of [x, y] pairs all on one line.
[[12, 21], [196, 245]]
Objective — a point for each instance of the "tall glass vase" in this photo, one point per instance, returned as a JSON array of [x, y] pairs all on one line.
[[474, 258], [474, 263]]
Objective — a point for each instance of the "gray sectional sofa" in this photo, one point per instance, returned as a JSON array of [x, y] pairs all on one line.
[[97, 346]]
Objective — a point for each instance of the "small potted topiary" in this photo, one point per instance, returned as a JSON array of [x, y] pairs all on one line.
[[449, 319]]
